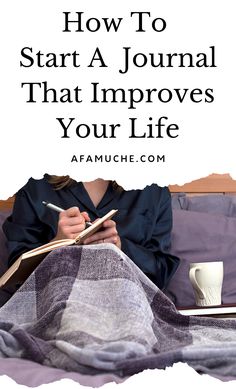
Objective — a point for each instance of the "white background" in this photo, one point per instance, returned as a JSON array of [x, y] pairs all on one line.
[[31, 141]]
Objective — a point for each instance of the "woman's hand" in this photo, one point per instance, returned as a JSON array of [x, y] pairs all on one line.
[[109, 234], [71, 222]]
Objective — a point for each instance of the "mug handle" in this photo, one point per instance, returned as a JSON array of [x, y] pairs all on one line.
[[195, 284]]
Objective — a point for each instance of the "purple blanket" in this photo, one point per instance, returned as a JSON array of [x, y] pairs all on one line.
[[91, 310]]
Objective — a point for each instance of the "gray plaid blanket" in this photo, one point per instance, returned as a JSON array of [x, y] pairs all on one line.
[[91, 310]]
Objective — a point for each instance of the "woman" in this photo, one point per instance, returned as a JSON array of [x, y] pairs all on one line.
[[141, 228]]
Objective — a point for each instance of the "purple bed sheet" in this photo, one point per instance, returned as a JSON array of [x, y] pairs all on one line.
[[32, 374]]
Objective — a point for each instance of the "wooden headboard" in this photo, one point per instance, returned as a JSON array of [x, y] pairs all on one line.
[[6, 205], [213, 184]]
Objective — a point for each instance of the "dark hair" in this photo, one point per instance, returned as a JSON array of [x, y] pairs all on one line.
[[59, 182]]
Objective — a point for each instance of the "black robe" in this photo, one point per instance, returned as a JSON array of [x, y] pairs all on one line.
[[144, 222]]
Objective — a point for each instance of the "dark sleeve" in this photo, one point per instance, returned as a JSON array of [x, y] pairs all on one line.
[[23, 229], [153, 257]]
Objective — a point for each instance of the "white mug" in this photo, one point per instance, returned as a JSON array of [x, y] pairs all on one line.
[[207, 279]]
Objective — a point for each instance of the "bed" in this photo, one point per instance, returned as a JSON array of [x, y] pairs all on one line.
[[204, 228]]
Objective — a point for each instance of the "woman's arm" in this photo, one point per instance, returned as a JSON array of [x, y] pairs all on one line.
[[23, 229], [153, 256]]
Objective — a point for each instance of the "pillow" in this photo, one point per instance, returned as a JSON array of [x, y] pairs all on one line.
[[177, 200], [213, 204], [201, 237]]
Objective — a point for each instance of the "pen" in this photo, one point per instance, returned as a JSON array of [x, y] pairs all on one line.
[[58, 209], [52, 206]]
